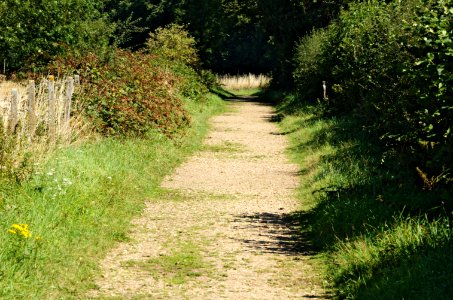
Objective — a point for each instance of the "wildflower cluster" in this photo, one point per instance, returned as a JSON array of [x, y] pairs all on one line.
[[20, 230]]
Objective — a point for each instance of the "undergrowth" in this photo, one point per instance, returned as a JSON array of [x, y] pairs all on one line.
[[380, 235], [378, 139]]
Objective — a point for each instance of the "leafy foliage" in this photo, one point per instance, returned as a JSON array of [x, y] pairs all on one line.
[[129, 95], [432, 77], [393, 79], [173, 42], [176, 47], [34, 32]]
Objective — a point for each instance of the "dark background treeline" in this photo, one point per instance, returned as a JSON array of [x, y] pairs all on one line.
[[232, 36]]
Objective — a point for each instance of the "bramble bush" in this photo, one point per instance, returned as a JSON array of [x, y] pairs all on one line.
[[128, 95]]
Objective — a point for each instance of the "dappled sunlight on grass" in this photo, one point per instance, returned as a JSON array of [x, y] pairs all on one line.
[[380, 233]]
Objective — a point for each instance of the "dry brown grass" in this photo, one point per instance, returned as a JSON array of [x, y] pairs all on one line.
[[243, 82], [36, 141]]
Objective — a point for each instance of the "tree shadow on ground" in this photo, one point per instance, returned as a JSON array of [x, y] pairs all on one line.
[[285, 234], [280, 233]]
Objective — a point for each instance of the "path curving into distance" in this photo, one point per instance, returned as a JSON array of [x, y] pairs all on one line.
[[221, 228]]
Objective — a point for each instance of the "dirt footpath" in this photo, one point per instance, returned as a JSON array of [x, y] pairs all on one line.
[[222, 228]]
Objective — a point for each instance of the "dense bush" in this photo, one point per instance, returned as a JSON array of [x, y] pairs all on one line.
[[174, 43], [432, 78], [130, 94], [308, 73], [389, 66], [384, 195], [177, 50]]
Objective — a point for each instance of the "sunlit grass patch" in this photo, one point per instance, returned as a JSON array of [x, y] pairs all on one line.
[[228, 147], [183, 263]]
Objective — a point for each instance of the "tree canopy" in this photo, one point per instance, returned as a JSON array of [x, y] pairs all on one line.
[[232, 36], [33, 32]]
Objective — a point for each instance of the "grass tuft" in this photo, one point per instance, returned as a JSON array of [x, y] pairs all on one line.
[[183, 263]]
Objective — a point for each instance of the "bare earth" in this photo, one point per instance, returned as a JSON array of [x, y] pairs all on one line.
[[229, 205]]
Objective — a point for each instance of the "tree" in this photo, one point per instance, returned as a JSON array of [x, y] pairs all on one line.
[[34, 32], [174, 43]]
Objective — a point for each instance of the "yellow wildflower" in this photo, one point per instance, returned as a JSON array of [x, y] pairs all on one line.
[[21, 229]]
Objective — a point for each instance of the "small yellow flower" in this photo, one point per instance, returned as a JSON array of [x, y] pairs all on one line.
[[20, 229]]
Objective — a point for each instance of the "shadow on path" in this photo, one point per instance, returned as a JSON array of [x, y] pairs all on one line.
[[286, 234]]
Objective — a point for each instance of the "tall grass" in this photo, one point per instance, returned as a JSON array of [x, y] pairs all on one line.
[[244, 82], [42, 104]]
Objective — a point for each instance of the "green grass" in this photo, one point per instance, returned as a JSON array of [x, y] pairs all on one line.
[[226, 146], [380, 236], [245, 92], [173, 195], [183, 263], [80, 202]]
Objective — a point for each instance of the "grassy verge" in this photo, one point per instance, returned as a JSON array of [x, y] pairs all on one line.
[[380, 237], [79, 204]]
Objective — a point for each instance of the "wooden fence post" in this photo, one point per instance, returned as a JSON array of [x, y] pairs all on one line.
[[77, 80], [13, 117], [51, 112], [68, 100], [31, 108]]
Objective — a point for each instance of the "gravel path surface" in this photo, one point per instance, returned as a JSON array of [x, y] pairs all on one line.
[[223, 220]]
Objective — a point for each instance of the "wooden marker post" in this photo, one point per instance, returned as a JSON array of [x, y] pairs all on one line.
[[77, 80], [68, 100], [51, 113], [31, 108]]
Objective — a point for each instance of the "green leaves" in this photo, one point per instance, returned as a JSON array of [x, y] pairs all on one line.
[[173, 42], [33, 32], [390, 67]]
